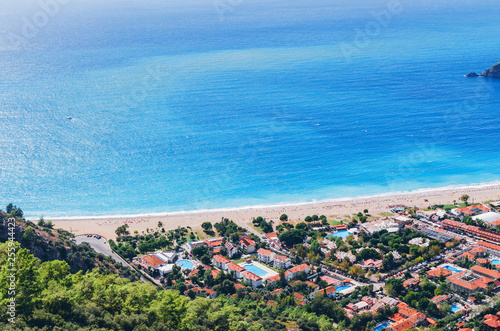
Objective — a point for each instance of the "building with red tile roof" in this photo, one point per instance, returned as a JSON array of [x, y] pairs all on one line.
[[477, 251], [439, 298], [438, 272], [330, 291], [247, 244], [220, 261], [237, 270], [492, 274], [252, 278], [292, 272], [410, 283], [214, 243], [150, 261], [401, 325], [277, 291], [311, 284], [211, 294], [492, 321], [273, 279], [281, 261], [265, 255], [468, 282]]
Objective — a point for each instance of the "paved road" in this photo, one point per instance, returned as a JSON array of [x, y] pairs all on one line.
[[100, 246]]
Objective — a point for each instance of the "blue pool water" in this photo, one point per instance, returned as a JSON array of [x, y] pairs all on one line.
[[454, 309], [185, 264], [180, 105], [341, 234], [256, 270], [340, 288], [381, 326], [451, 268], [495, 261]]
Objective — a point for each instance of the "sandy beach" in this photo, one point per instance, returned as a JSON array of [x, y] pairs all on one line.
[[106, 225]]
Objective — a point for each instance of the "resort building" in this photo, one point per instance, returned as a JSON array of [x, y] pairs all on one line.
[[330, 292], [265, 255], [292, 272], [220, 261], [492, 274], [232, 249], [247, 244], [468, 282], [194, 244], [237, 270], [492, 321], [410, 283], [438, 272], [273, 279], [489, 217], [490, 248], [156, 261], [252, 278], [281, 261], [214, 243], [370, 264]]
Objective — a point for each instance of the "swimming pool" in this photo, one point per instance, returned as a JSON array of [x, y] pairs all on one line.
[[256, 270], [454, 308], [341, 234], [383, 325], [185, 264], [447, 267], [495, 261], [341, 288]]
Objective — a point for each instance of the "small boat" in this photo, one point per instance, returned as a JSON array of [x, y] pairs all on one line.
[[69, 118]]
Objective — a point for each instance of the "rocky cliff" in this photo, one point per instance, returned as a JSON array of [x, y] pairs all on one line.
[[493, 72]]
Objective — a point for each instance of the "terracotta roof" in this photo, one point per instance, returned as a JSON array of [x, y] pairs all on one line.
[[238, 286], [478, 283], [491, 321], [437, 272], [477, 249], [235, 267], [411, 282], [282, 258], [273, 279], [402, 325], [298, 296], [247, 241], [221, 259], [488, 245], [251, 276], [277, 291], [493, 274], [482, 260], [264, 252], [431, 321], [215, 273], [271, 303], [152, 260], [311, 284]]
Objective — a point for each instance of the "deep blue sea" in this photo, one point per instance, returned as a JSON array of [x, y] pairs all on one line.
[[183, 105]]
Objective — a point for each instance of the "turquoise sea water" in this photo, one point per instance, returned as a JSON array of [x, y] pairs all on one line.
[[190, 105]]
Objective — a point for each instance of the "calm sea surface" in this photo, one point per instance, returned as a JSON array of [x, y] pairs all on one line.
[[182, 105]]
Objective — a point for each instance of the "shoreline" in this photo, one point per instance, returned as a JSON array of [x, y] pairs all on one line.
[[105, 225]]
